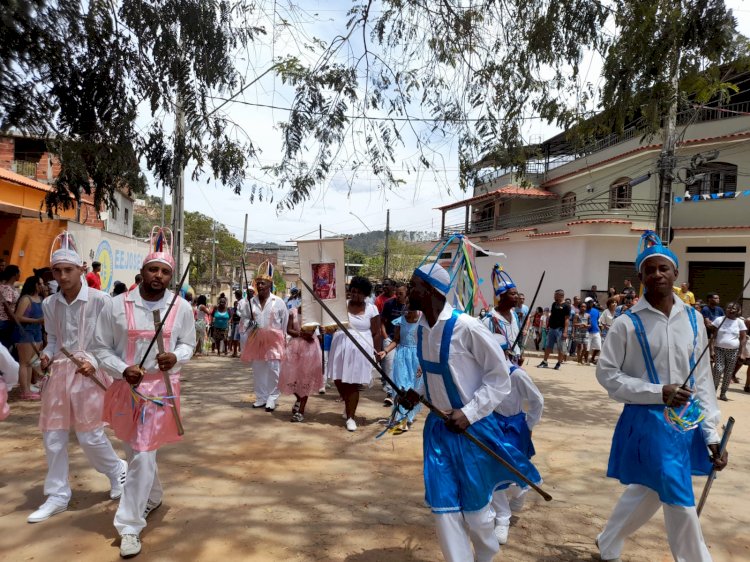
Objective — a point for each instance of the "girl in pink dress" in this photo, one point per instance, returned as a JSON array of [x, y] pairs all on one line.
[[302, 367]]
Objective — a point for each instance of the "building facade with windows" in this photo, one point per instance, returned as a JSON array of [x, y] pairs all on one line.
[[581, 209]]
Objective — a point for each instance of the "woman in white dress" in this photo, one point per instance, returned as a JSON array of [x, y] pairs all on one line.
[[347, 366]]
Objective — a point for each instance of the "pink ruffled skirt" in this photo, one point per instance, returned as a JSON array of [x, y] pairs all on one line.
[[70, 400], [301, 370], [264, 345], [140, 422]]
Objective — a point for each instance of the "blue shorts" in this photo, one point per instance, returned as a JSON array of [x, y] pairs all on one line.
[[555, 338], [234, 332]]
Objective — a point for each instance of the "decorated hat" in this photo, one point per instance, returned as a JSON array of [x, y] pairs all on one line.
[[65, 250], [501, 281], [459, 276], [651, 246], [161, 247], [265, 272]]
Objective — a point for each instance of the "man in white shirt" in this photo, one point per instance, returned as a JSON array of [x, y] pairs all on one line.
[[647, 354], [70, 397], [138, 404], [466, 376], [266, 342], [502, 320]]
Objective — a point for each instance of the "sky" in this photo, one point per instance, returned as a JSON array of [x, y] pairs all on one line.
[[344, 204]]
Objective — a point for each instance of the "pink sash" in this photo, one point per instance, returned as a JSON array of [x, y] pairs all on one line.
[[70, 399], [141, 416]]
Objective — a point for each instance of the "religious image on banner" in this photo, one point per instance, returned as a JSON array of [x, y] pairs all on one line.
[[324, 280]]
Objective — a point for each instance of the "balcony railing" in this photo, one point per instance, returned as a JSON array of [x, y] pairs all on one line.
[[594, 208], [25, 168], [686, 117]]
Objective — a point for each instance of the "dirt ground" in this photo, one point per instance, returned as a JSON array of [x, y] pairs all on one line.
[[249, 485]]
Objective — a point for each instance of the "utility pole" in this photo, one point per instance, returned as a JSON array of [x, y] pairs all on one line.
[[666, 158], [178, 192], [213, 261], [163, 202], [385, 249]]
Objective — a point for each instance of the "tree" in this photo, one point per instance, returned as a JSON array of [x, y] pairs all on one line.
[[403, 259]]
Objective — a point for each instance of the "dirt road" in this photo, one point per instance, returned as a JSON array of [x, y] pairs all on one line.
[[249, 485]]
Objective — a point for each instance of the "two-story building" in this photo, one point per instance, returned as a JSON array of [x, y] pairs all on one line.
[[581, 209], [27, 170]]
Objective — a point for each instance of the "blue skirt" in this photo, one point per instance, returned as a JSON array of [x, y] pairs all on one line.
[[517, 432], [646, 450], [458, 475]]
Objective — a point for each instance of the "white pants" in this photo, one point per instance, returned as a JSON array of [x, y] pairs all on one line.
[[98, 451], [636, 506], [141, 485], [501, 500], [266, 377], [458, 531]]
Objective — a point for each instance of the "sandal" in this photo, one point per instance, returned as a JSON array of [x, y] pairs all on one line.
[[295, 408], [297, 417], [747, 388]]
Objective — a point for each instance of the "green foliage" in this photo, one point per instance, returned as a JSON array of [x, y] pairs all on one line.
[[403, 257]]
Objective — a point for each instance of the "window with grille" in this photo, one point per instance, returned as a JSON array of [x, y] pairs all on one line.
[[717, 177], [568, 205], [620, 193]]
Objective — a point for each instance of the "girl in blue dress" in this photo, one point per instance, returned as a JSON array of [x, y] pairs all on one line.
[[406, 371]]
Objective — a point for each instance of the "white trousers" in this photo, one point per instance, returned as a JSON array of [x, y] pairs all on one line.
[[458, 531], [636, 506], [98, 451], [501, 502], [266, 378], [141, 485]]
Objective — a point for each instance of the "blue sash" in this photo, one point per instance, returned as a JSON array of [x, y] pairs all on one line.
[[458, 475], [647, 450]]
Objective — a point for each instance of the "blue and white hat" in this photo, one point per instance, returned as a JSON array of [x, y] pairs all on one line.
[[651, 246], [501, 281], [435, 275]]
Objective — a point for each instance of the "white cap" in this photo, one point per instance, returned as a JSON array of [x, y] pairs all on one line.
[[588, 299], [65, 255], [436, 275]]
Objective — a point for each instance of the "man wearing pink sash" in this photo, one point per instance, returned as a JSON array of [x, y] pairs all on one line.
[[70, 398], [137, 404], [266, 341]]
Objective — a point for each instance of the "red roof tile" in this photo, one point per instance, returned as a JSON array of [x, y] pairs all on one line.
[[23, 180], [600, 221], [509, 191], [555, 233], [712, 227]]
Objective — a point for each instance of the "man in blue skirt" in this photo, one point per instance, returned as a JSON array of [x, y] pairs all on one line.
[[647, 355], [466, 376]]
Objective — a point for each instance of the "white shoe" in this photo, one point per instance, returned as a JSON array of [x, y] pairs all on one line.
[[259, 404], [35, 389], [150, 508], [45, 511], [130, 546], [270, 406], [322, 390], [596, 542], [501, 533], [116, 484], [351, 425]]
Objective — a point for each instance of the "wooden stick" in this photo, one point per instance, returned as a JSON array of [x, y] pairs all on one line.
[[425, 401], [78, 364], [165, 374], [712, 475]]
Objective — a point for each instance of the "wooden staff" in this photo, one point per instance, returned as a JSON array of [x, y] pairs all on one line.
[[712, 475], [165, 374], [425, 401], [78, 364]]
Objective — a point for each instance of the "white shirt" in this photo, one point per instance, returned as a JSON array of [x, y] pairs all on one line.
[[72, 325], [274, 314], [477, 363], [728, 337], [606, 318], [504, 332], [111, 336], [522, 388], [243, 309], [622, 369], [8, 368]]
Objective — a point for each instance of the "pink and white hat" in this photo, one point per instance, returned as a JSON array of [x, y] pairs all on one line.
[[64, 250], [161, 247]]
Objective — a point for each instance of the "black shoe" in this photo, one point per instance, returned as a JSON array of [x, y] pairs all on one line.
[[542, 365], [557, 366], [724, 398]]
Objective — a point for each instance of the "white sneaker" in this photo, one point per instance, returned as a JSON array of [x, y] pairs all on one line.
[[130, 546], [35, 389], [116, 484], [45, 511], [501, 533], [259, 404], [270, 406], [150, 508], [351, 425]]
